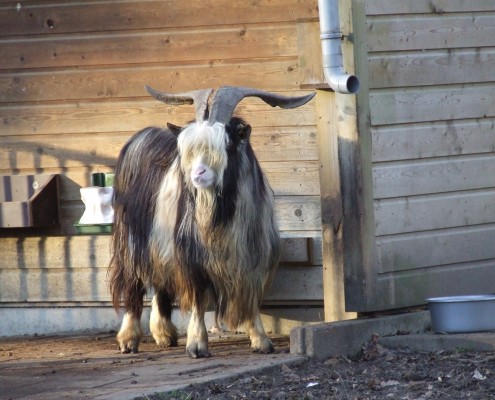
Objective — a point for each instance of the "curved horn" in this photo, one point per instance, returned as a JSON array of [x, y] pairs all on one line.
[[227, 97], [197, 97]]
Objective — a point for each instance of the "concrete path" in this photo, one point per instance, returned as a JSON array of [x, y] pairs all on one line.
[[90, 367]]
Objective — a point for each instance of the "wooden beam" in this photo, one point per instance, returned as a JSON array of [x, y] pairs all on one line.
[[331, 209]]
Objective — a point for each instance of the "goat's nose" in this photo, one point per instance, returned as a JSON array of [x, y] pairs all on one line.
[[200, 171]]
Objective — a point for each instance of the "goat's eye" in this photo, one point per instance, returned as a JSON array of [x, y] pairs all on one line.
[[243, 131]]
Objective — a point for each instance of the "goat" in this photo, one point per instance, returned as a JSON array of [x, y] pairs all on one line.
[[194, 219]]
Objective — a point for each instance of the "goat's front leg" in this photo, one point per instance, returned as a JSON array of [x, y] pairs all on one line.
[[197, 336], [260, 342], [130, 333]]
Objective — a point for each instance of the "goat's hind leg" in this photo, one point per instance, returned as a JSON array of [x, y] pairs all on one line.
[[131, 332], [260, 342], [163, 330]]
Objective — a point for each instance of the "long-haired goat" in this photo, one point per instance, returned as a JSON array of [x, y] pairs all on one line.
[[194, 220]]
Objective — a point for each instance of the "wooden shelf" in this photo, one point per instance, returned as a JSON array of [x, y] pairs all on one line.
[[29, 201]]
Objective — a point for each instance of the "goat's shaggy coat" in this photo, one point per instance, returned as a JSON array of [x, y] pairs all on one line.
[[194, 219]]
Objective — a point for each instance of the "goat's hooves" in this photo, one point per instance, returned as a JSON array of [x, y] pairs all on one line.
[[264, 350], [194, 352], [171, 342], [127, 350]]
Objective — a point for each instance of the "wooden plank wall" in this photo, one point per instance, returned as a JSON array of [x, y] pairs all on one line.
[[430, 74], [72, 78]]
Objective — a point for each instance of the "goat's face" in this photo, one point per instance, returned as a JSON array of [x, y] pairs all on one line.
[[205, 150]]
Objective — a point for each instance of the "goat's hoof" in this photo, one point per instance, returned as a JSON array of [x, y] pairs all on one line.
[[130, 347], [169, 342], [195, 352], [267, 348]]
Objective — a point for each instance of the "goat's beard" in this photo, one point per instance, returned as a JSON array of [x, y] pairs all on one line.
[[205, 208]]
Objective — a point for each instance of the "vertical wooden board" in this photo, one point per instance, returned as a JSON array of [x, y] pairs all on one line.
[[331, 209], [309, 51], [353, 114]]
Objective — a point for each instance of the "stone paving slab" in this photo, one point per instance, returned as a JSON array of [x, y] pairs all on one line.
[[91, 367]]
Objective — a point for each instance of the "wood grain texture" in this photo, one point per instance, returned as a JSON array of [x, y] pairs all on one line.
[[387, 7], [432, 212], [438, 248], [62, 16], [124, 48], [104, 82], [74, 269], [408, 105], [426, 140], [431, 68], [404, 32], [127, 116], [450, 174], [99, 150]]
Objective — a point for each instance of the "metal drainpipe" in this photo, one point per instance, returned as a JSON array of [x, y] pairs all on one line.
[[331, 37]]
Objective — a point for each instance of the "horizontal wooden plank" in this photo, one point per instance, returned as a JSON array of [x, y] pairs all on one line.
[[293, 213], [57, 269], [438, 67], [435, 248], [441, 175], [390, 106], [81, 284], [93, 252], [404, 32], [126, 116], [86, 284], [387, 7], [424, 140], [85, 153], [171, 46], [413, 287], [55, 17], [298, 213], [422, 213], [120, 82], [296, 283]]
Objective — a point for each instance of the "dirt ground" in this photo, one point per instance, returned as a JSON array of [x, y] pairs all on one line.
[[91, 367], [377, 374]]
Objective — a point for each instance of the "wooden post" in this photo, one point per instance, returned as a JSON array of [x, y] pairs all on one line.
[[331, 208]]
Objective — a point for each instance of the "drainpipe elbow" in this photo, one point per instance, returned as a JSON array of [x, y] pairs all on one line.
[[331, 45]]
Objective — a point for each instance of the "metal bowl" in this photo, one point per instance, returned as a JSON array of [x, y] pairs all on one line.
[[462, 314]]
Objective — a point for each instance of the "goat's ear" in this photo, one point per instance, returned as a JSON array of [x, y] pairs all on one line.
[[243, 130], [174, 128]]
